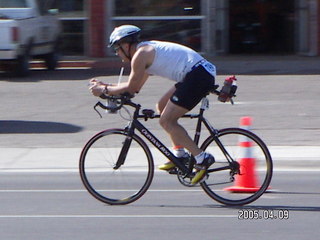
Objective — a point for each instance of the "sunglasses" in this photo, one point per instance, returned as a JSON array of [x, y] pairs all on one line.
[[116, 48]]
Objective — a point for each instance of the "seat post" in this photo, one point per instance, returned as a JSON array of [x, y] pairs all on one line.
[[204, 103]]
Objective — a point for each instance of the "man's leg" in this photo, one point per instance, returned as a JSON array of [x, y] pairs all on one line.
[[179, 136], [178, 149], [170, 115], [164, 99]]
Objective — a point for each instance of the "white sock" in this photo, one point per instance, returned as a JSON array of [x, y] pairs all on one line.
[[200, 157], [179, 152]]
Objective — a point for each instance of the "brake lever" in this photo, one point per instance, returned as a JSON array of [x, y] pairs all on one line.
[[95, 108]]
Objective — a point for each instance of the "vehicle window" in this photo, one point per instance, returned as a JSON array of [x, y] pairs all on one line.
[[44, 6], [41, 6], [157, 8], [176, 21], [13, 4]]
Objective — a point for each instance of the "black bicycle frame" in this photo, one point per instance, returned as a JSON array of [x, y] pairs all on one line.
[[136, 124], [159, 145]]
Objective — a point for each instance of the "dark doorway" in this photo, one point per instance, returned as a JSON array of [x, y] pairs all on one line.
[[262, 26]]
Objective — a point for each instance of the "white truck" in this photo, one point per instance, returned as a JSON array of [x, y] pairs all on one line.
[[28, 29]]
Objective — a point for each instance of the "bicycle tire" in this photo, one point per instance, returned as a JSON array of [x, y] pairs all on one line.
[[121, 186], [257, 172]]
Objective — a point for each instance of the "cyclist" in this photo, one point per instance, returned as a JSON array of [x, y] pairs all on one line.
[[194, 77]]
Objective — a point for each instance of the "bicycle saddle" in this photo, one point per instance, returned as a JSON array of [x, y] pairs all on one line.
[[148, 113]]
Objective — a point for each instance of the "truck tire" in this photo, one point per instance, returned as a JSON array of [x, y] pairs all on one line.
[[23, 62], [23, 66], [52, 59]]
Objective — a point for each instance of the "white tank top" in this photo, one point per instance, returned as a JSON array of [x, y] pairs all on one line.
[[172, 61]]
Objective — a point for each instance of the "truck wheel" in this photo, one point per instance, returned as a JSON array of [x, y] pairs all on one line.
[[23, 66], [51, 60]]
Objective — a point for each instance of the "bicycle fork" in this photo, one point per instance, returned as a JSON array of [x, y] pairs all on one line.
[[123, 154], [125, 147]]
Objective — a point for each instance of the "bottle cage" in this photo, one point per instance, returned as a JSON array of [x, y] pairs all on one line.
[[228, 91]]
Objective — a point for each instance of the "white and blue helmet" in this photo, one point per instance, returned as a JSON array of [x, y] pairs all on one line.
[[126, 33]]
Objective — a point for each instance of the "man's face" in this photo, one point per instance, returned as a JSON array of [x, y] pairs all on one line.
[[122, 50]]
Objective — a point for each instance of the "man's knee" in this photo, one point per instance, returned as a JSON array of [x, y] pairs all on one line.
[[167, 123], [163, 122]]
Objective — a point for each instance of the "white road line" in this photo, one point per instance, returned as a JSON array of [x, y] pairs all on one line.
[[83, 190], [276, 169], [118, 216]]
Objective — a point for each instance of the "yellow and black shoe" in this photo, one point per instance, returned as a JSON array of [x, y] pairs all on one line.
[[201, 169], [170, 167], [167, 166]]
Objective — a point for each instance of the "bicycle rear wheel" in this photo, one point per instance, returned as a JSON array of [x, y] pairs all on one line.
[[116, 186], [255, 167]]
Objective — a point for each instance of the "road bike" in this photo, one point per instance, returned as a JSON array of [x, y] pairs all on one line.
[[116, 165]]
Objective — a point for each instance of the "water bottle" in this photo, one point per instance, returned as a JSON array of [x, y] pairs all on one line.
[[233, 87], [228, 89]]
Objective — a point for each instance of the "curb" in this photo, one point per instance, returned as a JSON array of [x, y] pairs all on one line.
[[109, 66], [257, 65], [285, 158]]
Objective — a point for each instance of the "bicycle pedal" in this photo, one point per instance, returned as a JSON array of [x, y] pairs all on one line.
[[173, 171]]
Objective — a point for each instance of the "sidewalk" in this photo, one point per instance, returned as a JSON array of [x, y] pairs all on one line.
[[232, 64], [265, 65], [285, 158]]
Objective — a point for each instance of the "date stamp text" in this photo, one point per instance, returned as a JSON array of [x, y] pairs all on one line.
[[263, 214]]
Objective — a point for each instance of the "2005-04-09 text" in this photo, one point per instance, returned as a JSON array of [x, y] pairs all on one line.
[[256, 214]]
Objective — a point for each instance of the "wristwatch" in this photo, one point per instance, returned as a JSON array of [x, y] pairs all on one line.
[[105, 91]]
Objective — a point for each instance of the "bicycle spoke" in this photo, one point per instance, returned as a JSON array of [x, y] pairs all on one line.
[[123, 185], [229, 186]]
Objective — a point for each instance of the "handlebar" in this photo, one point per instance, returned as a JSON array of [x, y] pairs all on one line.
[[115, 103]]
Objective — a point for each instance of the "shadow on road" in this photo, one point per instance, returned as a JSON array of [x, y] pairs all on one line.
[[16, 127], [248, 207], [278, 207]]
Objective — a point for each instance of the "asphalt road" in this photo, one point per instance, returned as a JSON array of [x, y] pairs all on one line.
[[48, 117], [56, 206], [56, 109]]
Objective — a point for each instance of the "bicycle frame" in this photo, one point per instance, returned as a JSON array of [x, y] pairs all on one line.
[[219, 187], [136, 124]]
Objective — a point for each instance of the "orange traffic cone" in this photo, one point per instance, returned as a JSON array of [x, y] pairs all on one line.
[[247, 181]]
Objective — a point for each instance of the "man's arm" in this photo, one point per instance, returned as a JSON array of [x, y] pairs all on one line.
[[138, 76]]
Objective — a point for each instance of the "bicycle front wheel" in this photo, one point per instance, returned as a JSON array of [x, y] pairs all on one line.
[[118, 186], [254, 159]]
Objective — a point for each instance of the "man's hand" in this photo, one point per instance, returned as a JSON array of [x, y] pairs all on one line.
[[97, 88]]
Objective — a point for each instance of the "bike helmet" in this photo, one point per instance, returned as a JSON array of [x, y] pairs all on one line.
[[124, 33]]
